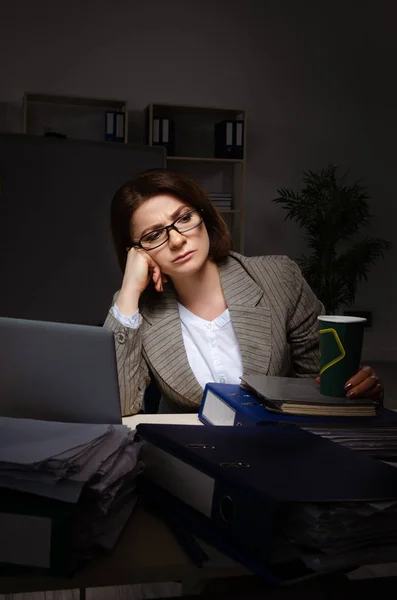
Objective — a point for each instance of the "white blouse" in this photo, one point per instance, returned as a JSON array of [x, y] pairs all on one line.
[[212, 348]]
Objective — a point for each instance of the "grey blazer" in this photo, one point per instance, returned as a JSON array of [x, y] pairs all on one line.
[[274, 315]]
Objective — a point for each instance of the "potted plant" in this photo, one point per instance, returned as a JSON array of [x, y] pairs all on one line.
[[332, 212]]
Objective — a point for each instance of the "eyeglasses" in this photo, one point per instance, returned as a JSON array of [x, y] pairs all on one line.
[[158, 237]]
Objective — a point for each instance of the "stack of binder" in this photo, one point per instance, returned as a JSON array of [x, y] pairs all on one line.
[[250, 491], [114, 126], [67, 490], [164, 134], [229, 139], [376, 436]]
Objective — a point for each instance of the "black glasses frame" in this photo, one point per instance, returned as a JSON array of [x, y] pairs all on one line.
[[168, 228]]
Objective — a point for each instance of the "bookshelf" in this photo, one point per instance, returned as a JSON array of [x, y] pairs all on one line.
[[73, 116], [193, 154]]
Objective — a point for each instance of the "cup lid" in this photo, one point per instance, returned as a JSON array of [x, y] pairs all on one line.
[[341, 319]]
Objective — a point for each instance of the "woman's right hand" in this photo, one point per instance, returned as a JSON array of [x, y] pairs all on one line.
[[139, 270]]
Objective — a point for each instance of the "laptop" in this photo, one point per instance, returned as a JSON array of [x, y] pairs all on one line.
[[58, 372]]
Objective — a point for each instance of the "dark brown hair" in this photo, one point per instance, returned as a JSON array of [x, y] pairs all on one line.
[[152, 183]]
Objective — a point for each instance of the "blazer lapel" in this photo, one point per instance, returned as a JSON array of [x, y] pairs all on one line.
[[163, 341], [165, 349], [251, 319]]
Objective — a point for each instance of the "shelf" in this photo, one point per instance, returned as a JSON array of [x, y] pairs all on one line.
[[75, 101], [192, 149], [75, 117], [208, 159]]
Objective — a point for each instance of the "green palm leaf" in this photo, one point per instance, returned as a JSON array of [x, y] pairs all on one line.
[[331, 212]]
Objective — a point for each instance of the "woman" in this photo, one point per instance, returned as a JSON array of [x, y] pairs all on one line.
[[190, 311]]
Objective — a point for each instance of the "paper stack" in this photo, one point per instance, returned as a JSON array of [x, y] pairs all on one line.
[[222, 201], [378, 440], [329, 537], [67, 490]]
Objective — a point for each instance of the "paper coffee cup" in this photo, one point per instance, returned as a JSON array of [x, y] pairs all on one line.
[[341, 343]]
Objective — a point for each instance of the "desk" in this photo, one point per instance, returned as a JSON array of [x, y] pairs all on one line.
[[147, 552]]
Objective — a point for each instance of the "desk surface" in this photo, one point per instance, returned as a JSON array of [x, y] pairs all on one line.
[[146, 552], [168, 419]]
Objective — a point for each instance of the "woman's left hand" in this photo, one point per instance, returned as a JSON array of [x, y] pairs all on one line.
[[365, 384]]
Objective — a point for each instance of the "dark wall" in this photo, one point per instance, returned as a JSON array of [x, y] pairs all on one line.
[[315, 77], [57, 260]]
